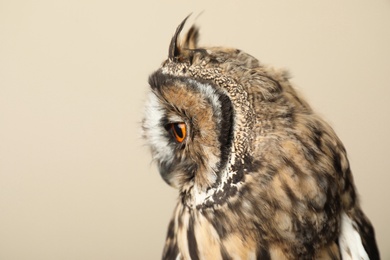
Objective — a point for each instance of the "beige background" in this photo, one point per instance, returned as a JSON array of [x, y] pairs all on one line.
[[76, 181]]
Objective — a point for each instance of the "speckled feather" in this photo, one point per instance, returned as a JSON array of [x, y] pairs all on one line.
[[260, 175]]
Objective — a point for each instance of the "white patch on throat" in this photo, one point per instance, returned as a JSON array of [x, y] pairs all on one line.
[[350, 242]]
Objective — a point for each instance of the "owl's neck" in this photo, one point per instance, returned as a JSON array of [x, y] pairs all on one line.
[[225, 188], [227, 185]]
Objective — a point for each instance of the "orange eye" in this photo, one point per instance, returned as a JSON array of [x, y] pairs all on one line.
[[179, 131]]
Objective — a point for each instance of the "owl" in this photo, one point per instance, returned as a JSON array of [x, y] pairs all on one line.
[[260, 175]]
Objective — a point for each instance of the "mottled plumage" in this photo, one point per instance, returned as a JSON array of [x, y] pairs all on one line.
[[260, 175]]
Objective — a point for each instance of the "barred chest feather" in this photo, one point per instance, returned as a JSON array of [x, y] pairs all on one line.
[[195, 236], [237, 230]]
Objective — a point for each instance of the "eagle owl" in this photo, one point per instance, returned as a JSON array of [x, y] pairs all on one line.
[[260, 175]]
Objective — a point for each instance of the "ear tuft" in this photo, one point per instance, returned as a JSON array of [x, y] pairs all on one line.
[[174, 49], [179, 50], [191, 38]]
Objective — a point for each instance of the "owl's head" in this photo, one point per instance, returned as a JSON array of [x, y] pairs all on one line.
[[202, 114]]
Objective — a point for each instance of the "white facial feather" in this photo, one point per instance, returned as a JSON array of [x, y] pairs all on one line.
[[152, 128]]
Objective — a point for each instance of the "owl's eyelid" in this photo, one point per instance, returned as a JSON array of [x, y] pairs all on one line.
[[168, 125]]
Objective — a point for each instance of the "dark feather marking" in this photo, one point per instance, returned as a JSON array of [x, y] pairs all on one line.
[[317, 136], [192, 37], [263, 253], [262, 250], [157, 80], [180, 219], [276, 88], [296, 169], [367, 235], [304, 229], [224, 253], [171, 250], [269, 173], [252, 165], [347, 185], [171, 229], [336, 162], [219, 224], [290, 193], [225, 129], [311, 154], [248, 165], [192, 244], [223, 195]]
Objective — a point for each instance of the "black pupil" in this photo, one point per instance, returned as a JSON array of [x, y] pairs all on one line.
[[178, 131]]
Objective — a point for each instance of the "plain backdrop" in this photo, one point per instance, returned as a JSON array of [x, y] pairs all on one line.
[[77, 182]]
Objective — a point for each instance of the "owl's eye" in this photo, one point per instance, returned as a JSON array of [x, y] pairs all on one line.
[[178, 130]]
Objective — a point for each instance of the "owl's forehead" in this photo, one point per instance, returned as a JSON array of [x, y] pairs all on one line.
[[185, 93]]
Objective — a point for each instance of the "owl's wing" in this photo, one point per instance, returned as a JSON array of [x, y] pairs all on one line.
[[357, 237]]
